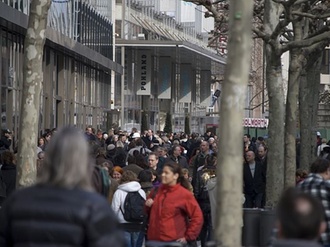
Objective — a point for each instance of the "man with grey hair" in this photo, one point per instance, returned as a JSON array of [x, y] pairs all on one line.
[[62, 205]]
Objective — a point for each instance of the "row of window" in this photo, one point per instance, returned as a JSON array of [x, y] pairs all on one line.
[[73, 92]]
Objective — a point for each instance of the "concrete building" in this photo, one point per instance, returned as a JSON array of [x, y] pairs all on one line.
[[168, 65], [79, 66]]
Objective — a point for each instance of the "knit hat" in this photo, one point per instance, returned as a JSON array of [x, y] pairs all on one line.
[[111, 147]]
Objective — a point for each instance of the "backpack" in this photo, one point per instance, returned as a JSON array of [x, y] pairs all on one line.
[[101, 181], [143, 152], [133, 207]]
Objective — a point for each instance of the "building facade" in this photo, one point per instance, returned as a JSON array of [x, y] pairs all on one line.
[[78, 65], [168, 65]]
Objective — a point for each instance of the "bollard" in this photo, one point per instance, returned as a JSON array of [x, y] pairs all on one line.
[[251, 228], [267, 225]]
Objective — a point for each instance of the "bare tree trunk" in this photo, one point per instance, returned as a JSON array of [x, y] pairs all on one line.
[[308, 105], [230, 170], [274, 83], [295, 68], [275, 165], [32, 85]]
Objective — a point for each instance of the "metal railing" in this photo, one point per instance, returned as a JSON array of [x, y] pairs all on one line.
[[78, 20]]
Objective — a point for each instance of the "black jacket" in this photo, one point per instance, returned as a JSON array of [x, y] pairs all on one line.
[[5, 143], [9, 173], [256, 184], [182, 161], [50, 216], [148, 142]]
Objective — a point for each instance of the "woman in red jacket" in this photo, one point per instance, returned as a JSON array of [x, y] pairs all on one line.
[[174, 214]]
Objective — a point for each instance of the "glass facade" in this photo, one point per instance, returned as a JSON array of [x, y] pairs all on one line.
[[74, 92]]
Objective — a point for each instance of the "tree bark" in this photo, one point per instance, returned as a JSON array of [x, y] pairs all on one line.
[[308, 106], [274, 83], [275, 160], [32, 85], [230, 170], [295, 68]]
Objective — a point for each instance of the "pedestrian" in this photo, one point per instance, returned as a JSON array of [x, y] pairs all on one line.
[[61, 209], [9, 172], [254, 177], [170, 209], [300, 220], [116, 173], [124, 206], [317, 184]]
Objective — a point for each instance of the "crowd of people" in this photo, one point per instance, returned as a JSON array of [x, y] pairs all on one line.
[[150, 187]]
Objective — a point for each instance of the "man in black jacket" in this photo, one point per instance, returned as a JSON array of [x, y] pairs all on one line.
[[5, 140], [254, 175], [176, 157]]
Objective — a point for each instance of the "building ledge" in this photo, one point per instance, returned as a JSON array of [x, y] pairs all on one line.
[[18, 21]]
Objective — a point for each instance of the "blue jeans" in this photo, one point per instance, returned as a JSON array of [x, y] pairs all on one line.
[[140, 239], [131, 238]]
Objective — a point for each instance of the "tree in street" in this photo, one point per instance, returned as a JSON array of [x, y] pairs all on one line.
[[279, 24], [168, 123], [32, 85], [229, 172], [187, 125]]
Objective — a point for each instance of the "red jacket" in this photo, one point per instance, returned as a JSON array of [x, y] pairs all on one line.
[[172, 207]]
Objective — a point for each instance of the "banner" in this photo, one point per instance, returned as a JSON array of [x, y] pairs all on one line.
[[186, 80], [205, 88], [143, 75], [256, 122], [164, 78]]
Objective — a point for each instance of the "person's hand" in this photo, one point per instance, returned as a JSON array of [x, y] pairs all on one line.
[[149, 202], [182, 240]]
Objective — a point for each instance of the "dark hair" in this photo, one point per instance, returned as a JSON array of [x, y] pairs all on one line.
[[154, 154], [128, 176], [176, 169], [260, 138], [247, 135], [140, 161], [320, 165], [8, 157], [211, 159], [131, 159], [298, 222], [302, 173], [174, 147], [145, 176], [138, 142]]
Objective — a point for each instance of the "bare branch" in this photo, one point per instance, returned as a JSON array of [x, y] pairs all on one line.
[[302, 14], [260, 34], [307, 42]]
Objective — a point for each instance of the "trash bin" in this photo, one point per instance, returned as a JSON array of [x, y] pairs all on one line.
[[251, 228], [267, 225]]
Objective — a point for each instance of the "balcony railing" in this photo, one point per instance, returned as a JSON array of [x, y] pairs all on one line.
[[77, 20]]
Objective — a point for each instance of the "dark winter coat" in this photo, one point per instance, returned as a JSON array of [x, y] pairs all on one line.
[[295, 243], [9, 173], [256, 184], [182, 161], [49, 216]]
